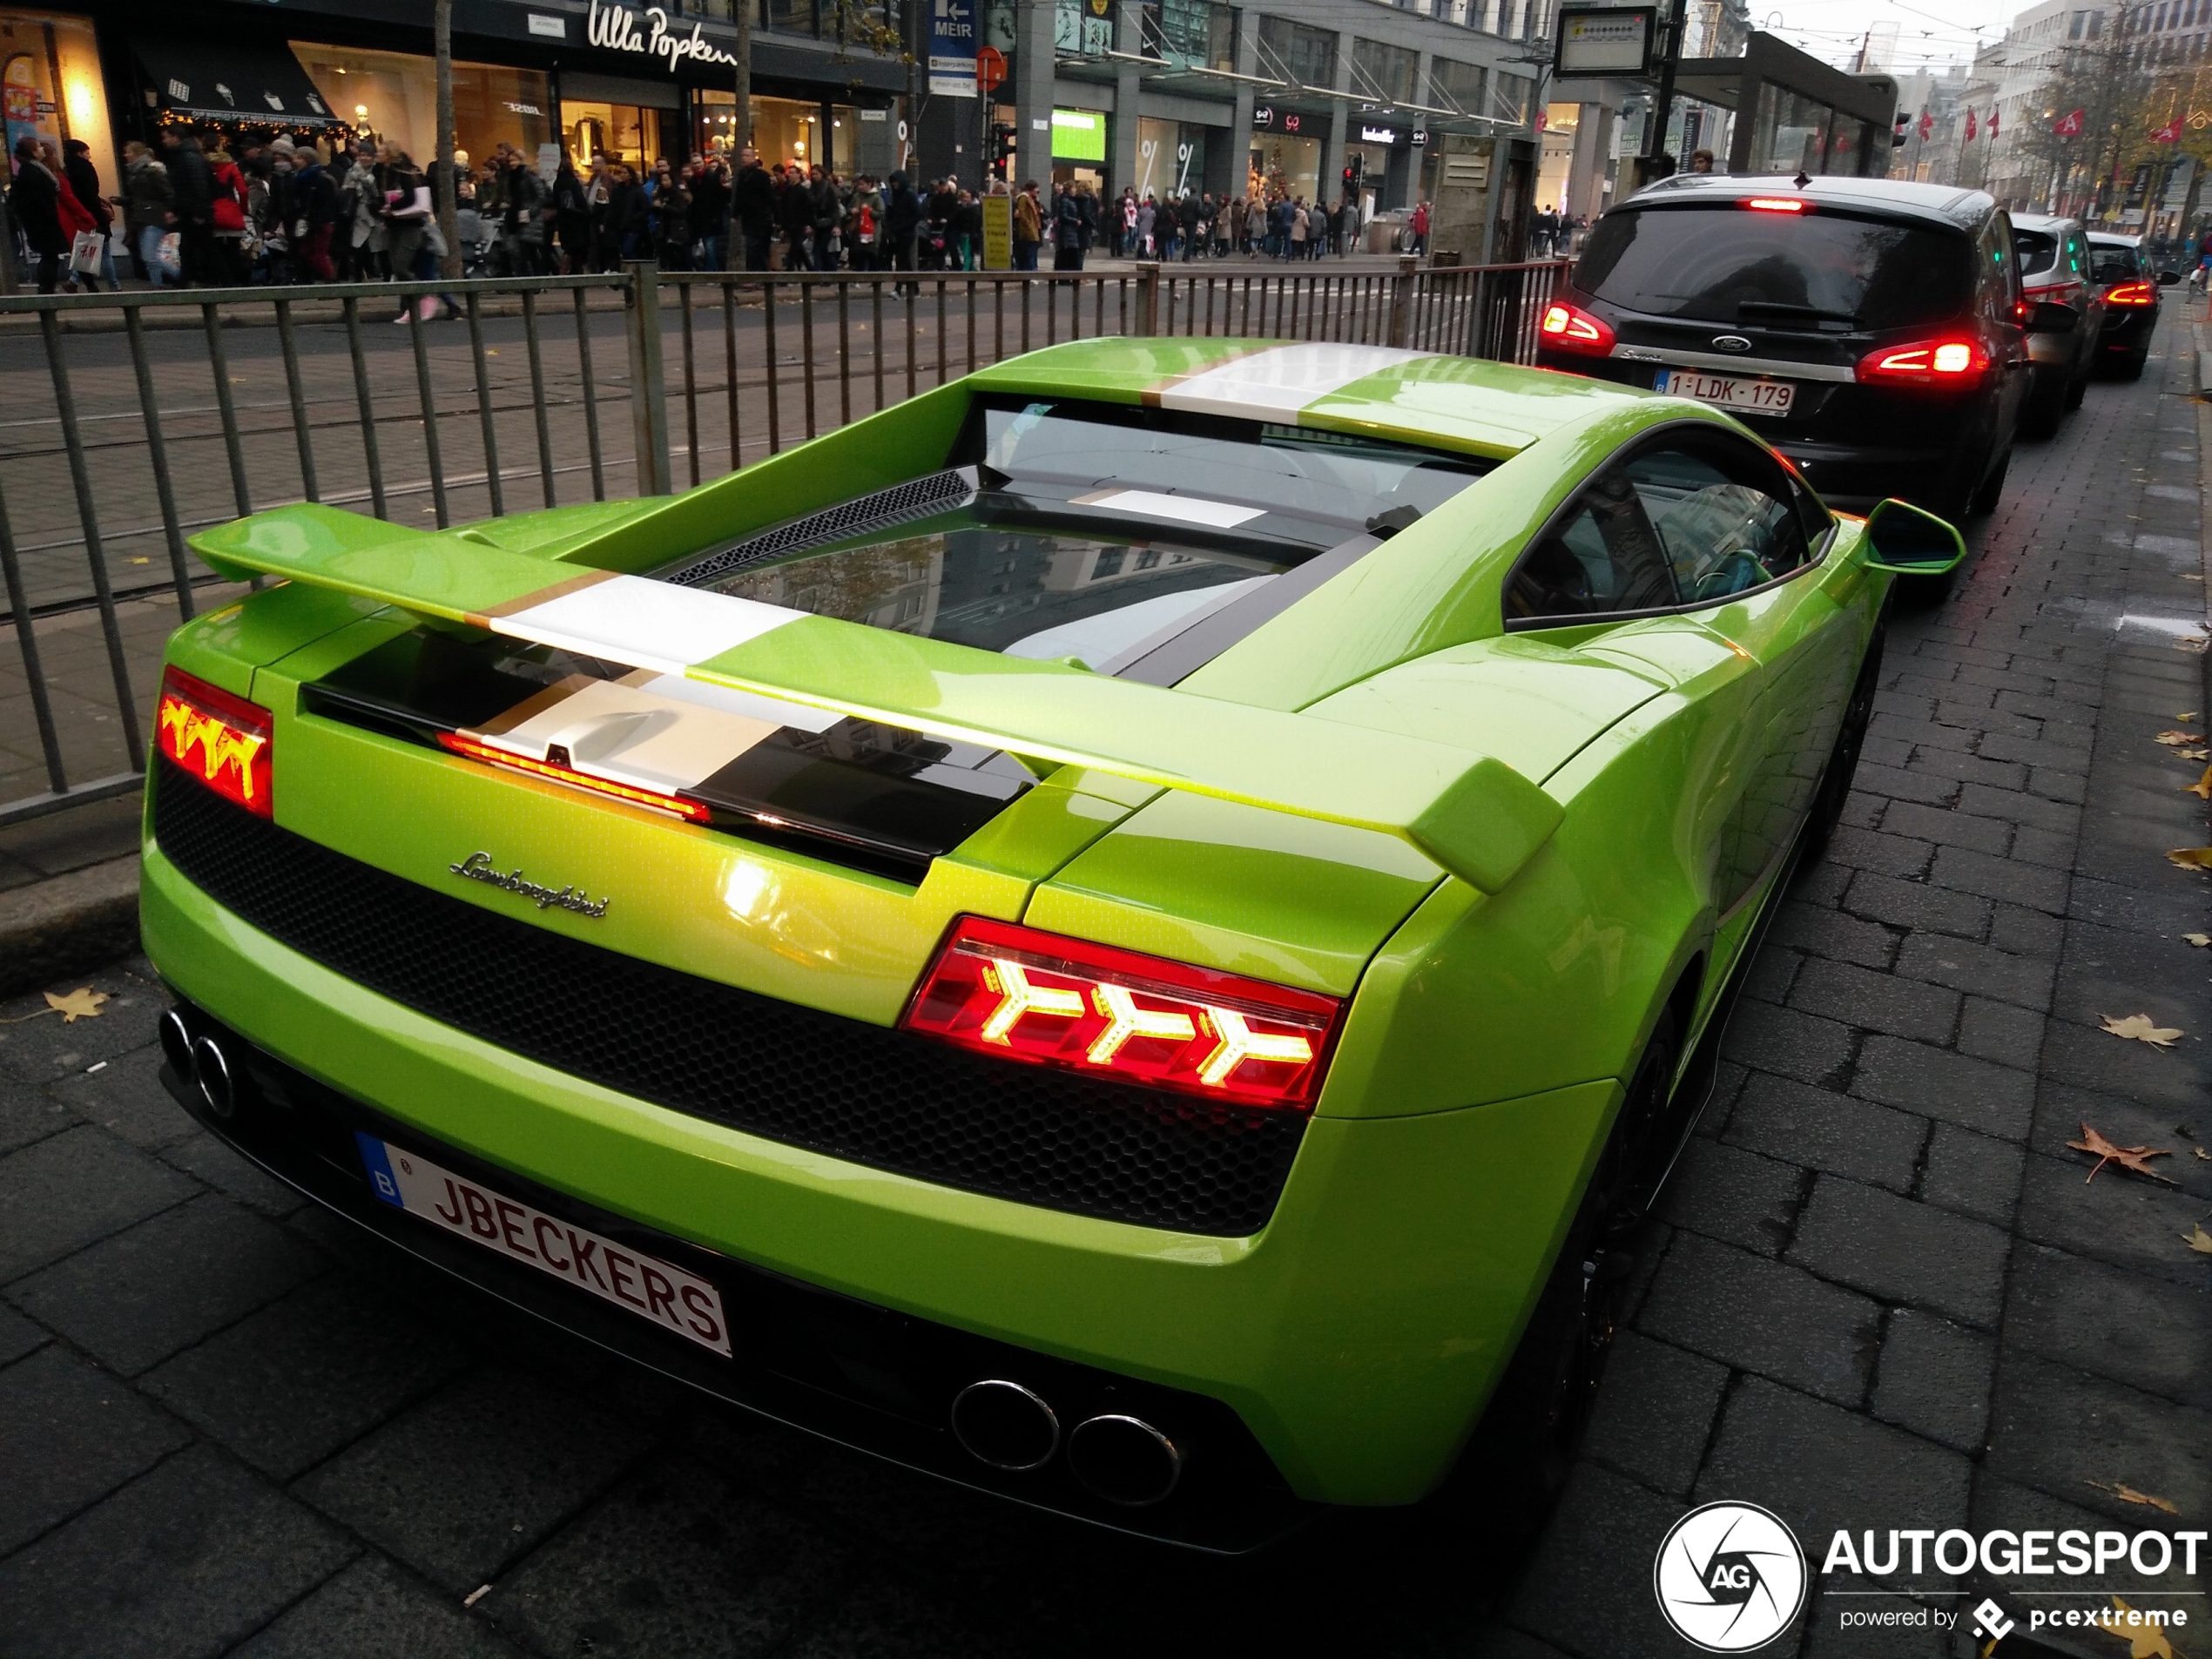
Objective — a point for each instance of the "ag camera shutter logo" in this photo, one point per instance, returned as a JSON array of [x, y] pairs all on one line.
[[1729, 1577]]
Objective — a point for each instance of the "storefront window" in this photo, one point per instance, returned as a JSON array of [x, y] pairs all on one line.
[[793, 16], [51, 85], [1170, 157], [1284, 165], [1387, 71], [788, 130], [1307, 54], [393, 98], [625, 133]]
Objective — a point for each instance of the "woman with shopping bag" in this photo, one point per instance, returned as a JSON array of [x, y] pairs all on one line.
[[86, 241]]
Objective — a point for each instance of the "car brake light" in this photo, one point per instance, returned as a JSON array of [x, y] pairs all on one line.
[[1777, 205], [1926, 363], [217, 740], [2131, 294], [1571, 329], [1022, 995], [683, 806]]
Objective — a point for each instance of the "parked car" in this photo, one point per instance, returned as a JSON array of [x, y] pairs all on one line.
[[1106, 932], [1867, 329], [2067, 311], [2127, 283]]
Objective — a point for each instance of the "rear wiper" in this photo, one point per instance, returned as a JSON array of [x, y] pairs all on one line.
[[1777, 309]]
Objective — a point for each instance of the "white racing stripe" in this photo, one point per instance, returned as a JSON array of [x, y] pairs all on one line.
[[644, 624], [1281, 380], [1185, 509]]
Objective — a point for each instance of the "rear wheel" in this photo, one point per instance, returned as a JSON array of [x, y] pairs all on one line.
[[2045, 407], [2132, 368], [1517, 1460], [2076, 389], [1992, 488]]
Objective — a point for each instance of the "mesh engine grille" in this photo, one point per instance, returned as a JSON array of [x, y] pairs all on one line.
[[773, 1069], [916, 498]]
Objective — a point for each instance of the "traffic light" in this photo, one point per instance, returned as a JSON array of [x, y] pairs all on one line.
[[1903, 122], [1001, 143]]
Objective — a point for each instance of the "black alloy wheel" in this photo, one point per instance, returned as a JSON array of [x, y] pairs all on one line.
[[1517, 1461]]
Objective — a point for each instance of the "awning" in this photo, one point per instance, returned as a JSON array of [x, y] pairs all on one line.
[[232, 81]]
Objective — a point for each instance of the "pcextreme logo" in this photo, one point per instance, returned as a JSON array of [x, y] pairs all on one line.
[[1729, 1577]]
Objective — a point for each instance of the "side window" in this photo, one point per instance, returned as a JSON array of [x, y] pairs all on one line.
[[1686, 523], [1724, 513], [1602, 559]]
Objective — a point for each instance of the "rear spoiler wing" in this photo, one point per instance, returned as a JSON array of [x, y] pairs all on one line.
[[1470, 813]]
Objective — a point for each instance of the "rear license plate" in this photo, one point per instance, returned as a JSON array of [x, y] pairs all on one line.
[[651, 1288], [1762, 397]]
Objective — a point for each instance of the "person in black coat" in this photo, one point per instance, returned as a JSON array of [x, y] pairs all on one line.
[[901, 223], [753, 205], [191, 187], [796, 210], [34, 199], [572, 216]]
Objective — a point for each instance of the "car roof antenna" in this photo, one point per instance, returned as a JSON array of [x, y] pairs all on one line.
[[1802, 180]]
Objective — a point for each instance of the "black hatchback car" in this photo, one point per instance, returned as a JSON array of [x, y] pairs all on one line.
[[2130, 284], [1871, 330]]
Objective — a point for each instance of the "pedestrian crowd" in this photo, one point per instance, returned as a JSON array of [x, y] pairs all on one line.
[[200, 209]]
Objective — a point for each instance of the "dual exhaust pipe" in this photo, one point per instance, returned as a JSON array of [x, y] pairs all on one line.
[[1121, 1459], [205, 1063]]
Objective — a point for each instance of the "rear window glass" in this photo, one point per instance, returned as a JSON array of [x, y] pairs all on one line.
[[2039, 251], [1090, 531], [1730, 265], [2109, 263]]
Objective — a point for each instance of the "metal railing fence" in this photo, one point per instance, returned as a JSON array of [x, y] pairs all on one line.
[[170, 410]]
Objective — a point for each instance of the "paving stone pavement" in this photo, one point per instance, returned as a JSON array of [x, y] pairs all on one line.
[[1880, 1293]]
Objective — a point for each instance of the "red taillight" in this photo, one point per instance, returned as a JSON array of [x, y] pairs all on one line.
[[682, 807], [218, 739], [2132, 293], [1957, 361], [1022, 995], [1777, 205], [1571, 329]]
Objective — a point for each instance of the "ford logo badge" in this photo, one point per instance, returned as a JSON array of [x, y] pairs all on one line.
[[1730, 342]]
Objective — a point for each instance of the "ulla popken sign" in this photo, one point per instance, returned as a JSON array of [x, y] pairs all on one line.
[[618, 29]]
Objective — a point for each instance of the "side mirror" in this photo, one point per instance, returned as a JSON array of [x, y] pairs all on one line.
[[2050, 318], [2167, 278], [1906, 539]]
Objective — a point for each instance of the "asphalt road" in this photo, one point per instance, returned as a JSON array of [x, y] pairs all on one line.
[[1880, 1294]]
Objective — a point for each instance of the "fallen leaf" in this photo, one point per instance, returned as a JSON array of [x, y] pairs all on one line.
[[2127, 1157], [2176, 738], [2137, 1027], [2202, 787], [2144, 1641], [2191, 715], [2201, 940], [2192, 858], [2128, 1494], [2196, 1238], [2206, 1155], [2195, 754], [83, 1003]]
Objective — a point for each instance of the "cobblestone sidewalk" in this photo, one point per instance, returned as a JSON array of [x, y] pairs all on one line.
[[1881, 1294]]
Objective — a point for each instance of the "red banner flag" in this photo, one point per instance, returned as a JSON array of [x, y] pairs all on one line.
[[2069, 125], [1970, 126], [2170, 133], [1993, 127], [1927, 126]]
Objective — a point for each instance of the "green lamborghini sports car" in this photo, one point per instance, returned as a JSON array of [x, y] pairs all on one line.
[[1133, 931]]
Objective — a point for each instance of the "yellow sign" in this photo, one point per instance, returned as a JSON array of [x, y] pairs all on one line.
[[998, 232]]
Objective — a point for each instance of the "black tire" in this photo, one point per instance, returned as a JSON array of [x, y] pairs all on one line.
[[2132, 369], [1827, 809], [2046, 409], [1992, 488], [1517, 1460], [2076, 389]]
